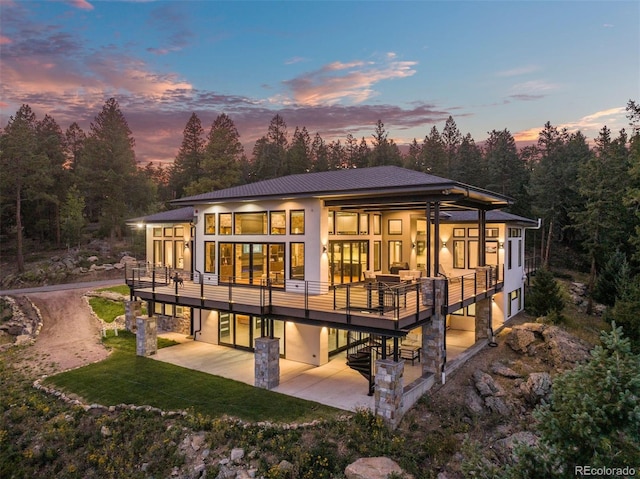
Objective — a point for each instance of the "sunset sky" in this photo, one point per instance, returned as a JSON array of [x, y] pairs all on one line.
[[335, 67]]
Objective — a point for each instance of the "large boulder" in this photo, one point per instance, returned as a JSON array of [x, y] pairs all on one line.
[[536, 388], [565, 350], [374, 468], [520, 338]]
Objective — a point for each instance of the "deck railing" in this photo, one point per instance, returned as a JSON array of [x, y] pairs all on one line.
[[407, 301]]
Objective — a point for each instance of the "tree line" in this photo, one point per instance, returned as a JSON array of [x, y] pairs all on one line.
[[58, 186]]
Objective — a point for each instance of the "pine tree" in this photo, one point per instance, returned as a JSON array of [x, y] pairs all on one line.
[[187, 166], [221, 159], [108, 170], [24, 170], [545, 297]]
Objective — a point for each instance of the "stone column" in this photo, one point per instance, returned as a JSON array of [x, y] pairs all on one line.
[[389, 390], [267, 362], [146, 336], [434, 349], [483, 307], [132, 309]]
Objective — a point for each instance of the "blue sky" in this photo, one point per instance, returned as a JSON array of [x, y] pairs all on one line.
[[335, 67]]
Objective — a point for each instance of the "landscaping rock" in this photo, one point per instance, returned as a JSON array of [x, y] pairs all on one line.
[[504, 371], [504, 448], [486, 385], [474, 403], [520, 338], [536, 388], [565, 350], [373, 468]]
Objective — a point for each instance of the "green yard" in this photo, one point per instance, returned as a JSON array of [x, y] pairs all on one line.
[[124, 378]]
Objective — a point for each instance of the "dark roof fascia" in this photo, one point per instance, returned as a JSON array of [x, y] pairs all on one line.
[[494, 216], [179, 215]]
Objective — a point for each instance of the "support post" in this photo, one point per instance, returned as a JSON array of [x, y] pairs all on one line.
[[389, 390], [132, 309], [434, 346], [267, 362], [483, 326], [146, 336]]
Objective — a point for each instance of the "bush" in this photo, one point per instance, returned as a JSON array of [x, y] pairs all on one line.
[[612, 279], [545, 297]]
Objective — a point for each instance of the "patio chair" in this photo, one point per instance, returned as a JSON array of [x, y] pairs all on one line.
[[448, 275]]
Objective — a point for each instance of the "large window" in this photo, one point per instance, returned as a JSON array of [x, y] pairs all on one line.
[[346, 223], [209, 256], [224, 224], [377, 224], [252, 263], [395, 252], [347, 260], [297, 261], [251, 223], [297, 222], [377, 255], [210, 224], [278, 222], [459, 257]]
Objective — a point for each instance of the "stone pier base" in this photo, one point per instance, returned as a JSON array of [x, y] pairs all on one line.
[[483, 307], [483, 319], [267, 363], [132, 309], [146, 336], [389, 390], [434, 350]]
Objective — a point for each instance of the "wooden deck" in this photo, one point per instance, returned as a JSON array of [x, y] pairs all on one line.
[[389, 311]]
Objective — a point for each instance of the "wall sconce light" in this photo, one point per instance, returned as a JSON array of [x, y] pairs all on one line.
[[140, 225], [324, 248], [186, 244], [444, 244], [501, 244], [413, 246]]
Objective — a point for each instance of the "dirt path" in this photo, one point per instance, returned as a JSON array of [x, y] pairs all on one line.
[[70, 335]]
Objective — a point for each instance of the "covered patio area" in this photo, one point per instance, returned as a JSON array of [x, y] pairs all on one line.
[[332, 384]]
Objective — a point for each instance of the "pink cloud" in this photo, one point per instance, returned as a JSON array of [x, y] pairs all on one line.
[[5, 40], [82, 4], [352, 81]]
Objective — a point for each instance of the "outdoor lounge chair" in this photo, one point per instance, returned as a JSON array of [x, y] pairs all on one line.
[[448, 275]]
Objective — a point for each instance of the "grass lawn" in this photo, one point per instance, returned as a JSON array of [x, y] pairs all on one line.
[[106, 309], [124, 378], [122, 289]]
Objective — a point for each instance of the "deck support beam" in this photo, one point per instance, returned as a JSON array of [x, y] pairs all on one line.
[[267, 362], [389, 390], [434, 345]]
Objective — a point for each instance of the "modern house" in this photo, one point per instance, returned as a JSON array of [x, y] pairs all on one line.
[[384, 265]]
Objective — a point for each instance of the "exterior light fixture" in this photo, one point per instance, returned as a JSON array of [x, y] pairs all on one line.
[[501, 244], [324, 248], [444, 244], [413, 246]]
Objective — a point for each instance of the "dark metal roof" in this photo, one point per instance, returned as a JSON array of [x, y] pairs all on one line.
[[397, 185], [493, 216], [180, 215]]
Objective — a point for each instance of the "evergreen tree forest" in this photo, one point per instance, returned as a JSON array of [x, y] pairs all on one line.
[[60, 188]]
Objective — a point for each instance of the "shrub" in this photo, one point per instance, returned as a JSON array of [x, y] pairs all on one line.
[[545, 297]]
